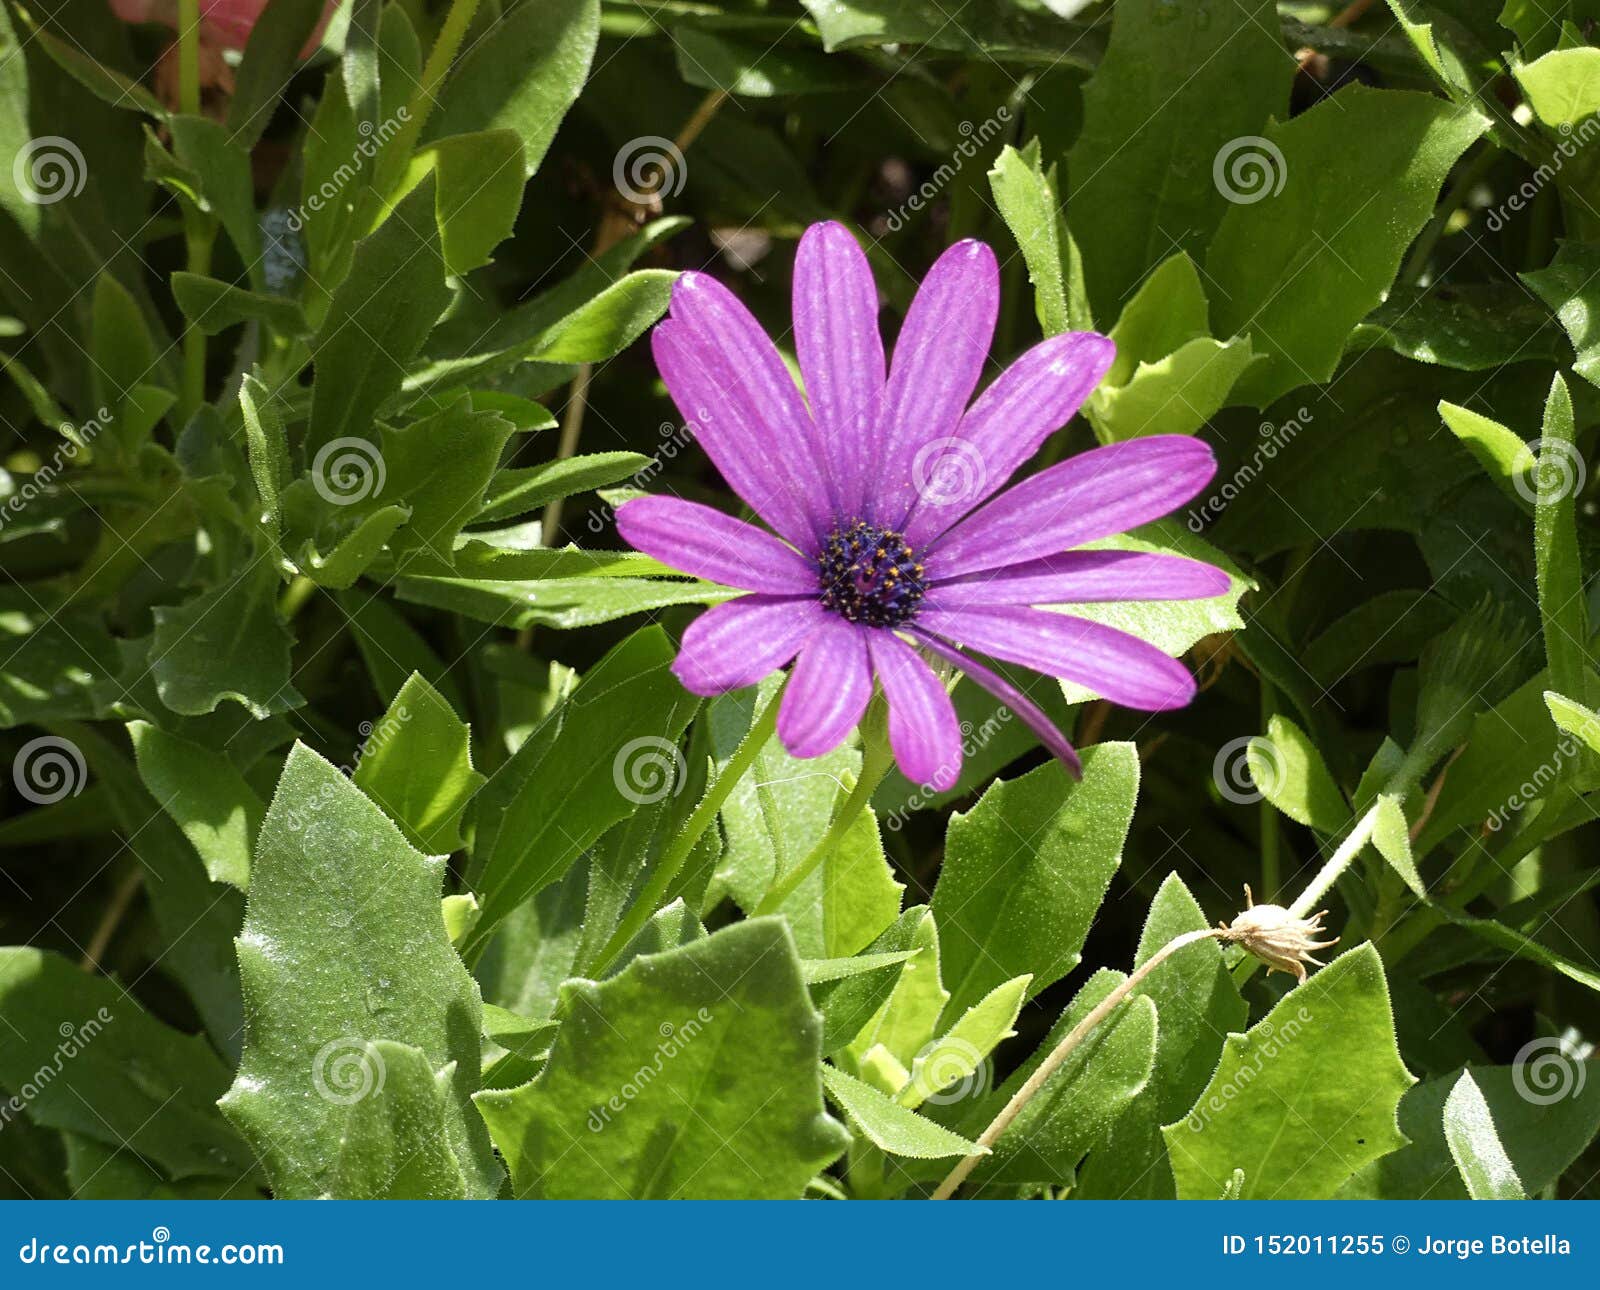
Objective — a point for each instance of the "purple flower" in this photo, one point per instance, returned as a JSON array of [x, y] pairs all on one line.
[[891, 539]]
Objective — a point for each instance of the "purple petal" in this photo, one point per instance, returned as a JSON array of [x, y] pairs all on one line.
[[840, 351], [1113, 664], [1036, 395], [738, 643], [1095, 494], [1033, 716], [709, 544], [828, 689], [1082, 578], [923, 729], [938, 359]]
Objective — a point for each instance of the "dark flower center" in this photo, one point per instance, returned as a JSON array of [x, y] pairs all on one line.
[[869, 575]]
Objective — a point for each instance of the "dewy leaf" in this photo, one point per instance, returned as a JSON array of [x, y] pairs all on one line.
[[1302, 1099], [115, 1073], [1354, 179], [1025, 871], [1181, 91], [417, 765], [522, 77], [395, 1143], [344, 944], [1290, 772], [613, 742], [227, 644], [691, 1074], [888, 1125], [1475, 1144], [1571, 286], [377, 320], [205, 796]]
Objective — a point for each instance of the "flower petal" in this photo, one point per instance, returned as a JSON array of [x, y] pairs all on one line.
[[938, 359], [1037, 394], [828, 689], [840, 352], [1113, 664], [709, 544], [1033, 716], [736, 644], [923, 728], [1085, 577], [1095, 494]]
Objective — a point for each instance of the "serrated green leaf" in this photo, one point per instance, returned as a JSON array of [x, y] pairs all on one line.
[[480, 178], [1025, 194], [214, 306], [891, 1127], [518, 491], [1475, 1144], [1391, 835], [395, 1141], [1563, 86], [417, 765]]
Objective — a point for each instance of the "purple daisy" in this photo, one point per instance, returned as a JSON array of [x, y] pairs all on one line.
[[890, 538]]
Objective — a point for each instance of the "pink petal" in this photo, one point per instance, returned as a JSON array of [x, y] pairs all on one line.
[[738, 643], [1085, 577], [923, 728], [709, 544], [828, 689]]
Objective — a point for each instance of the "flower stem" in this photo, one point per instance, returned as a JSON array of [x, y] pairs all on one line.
[[1064, 1050], [876, 759], [197, 230], [684, 841]]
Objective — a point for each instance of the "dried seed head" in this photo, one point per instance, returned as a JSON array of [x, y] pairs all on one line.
[[1275, 936]]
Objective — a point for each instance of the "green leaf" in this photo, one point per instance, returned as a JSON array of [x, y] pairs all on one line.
[[1026, 869], [214, 306], [417, 765], [958, 1054], [377, 320], [990, 27], [1179, 90], [516, 492], [909, 1017], [1470, 327], [755, 68], [522, 78], [116, 1074], [206, 797], [1177, 394], [343, 945], [123, 350], [850, 1003], [1563, 86], [571, 780], [728, 1012], [850, 898], [1391, 835], [891, 1127], [268, 65], [226, 644], [1360, 173], [558, 602], [227, 188], [480, 178], [355, 546], [1559, 475], [1574, 718], [1500, 451], [1475, 1145], [1302, 1099], [607, 324], [395, 1142], [1290, 772], [1569, 286], [105, 83], [1025, 194]]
